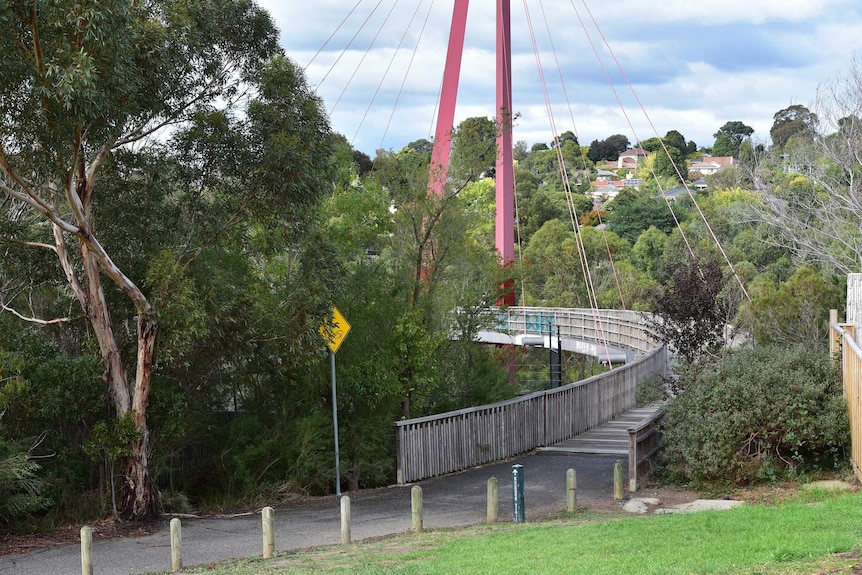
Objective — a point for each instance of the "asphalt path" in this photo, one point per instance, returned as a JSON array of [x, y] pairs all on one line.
[[451, 501]]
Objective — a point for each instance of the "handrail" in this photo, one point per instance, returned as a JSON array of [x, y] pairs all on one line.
[[644, 441], [457, 440]]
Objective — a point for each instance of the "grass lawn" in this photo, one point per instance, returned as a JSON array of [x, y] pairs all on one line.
[[814, 532]]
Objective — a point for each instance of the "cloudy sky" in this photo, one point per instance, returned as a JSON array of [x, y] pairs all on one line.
[[673, 65]]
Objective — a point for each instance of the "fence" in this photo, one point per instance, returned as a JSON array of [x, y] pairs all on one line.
[[438, 444], [842, 344]]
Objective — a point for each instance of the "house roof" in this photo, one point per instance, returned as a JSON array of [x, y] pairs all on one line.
[[720, 160], [635, 153]]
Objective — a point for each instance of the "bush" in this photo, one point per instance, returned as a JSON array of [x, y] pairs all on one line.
[[650, 390], [21, 488], [763, 413]]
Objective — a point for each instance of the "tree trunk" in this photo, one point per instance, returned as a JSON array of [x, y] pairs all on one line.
[[141, 500]]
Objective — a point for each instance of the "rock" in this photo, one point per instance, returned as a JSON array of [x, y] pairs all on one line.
[[703, 505], [640, 504]]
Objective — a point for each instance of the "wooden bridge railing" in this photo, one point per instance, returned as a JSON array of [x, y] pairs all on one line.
[[644, 442], [448, 442], [629, 329], [842, 345]]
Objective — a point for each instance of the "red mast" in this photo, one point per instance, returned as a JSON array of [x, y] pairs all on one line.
[[505, 174]]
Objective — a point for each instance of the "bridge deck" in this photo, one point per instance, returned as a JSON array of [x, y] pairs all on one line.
[[611, 438]]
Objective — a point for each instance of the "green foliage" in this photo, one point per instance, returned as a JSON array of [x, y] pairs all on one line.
[[723, 146], [795, 312], [112, 443], [608, 149], [22, 491], [648, 252], [670, 163], [730, 137], [795, 120], [650, 390], [763, 413], [633, 213]]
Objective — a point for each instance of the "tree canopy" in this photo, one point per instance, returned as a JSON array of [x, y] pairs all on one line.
[[736, 132], [795, 120], [87, 95]]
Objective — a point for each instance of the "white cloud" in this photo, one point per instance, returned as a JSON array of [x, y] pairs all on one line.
[[693, 66]]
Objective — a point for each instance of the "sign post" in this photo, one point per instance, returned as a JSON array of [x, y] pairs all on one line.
[[334, 330]]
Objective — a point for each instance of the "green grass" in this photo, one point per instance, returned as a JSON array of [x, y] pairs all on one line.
[[816, 532]]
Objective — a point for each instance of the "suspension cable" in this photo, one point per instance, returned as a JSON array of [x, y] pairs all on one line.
[[386, 72], [583, 155], [334, 32], [587, 274], [349, 44], [365, 55], [407, 72], [676, 168]]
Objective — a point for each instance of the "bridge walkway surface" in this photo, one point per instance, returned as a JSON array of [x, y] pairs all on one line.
[[611, 438]]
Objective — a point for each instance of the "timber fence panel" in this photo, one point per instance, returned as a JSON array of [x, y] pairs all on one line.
[[851, 363]]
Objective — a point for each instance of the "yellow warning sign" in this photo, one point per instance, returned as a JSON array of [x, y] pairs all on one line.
[[334, 330]]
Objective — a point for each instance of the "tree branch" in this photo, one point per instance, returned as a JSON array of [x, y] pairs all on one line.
[[33, 319]]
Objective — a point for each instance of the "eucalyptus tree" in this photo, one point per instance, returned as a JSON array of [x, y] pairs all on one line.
[[201, 83], [736, 132], [809, 198]]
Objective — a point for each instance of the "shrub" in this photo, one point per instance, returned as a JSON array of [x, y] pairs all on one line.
[[762, 413], [21, 488], [650, 390]]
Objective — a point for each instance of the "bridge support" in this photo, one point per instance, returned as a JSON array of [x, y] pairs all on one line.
[[505, 172]]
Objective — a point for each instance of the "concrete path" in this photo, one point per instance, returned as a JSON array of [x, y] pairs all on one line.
[[452, 501]]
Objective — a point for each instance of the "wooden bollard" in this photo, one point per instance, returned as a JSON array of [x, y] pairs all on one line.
[[493, 498], [571, 491], [268, 532], [345, 519], [618, 480], [176, 546], [416, 508], [86, 550]]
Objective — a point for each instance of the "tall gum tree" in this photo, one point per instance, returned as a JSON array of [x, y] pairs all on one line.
[[80, 82]]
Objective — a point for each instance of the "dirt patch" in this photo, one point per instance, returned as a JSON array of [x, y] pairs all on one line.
[[103, 529]]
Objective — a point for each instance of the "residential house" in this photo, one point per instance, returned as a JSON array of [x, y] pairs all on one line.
[[712, 164], [631, 158]]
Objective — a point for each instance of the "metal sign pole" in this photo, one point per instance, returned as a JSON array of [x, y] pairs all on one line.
[[335, 426]]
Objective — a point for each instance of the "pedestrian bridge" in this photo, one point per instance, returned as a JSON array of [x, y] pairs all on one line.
[[613, 336], [457, 440]]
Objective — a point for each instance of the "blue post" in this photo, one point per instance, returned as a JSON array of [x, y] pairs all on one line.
[[518, 493]]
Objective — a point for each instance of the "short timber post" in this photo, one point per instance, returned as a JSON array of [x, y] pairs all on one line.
[[518, 493], [176, 546], [268, 532], [618, 480], [493, 498], [345, 520], [416, 508], [86, 550], [571, 491], [854, 303]]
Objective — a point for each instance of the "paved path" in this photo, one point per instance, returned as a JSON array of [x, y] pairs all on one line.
[[452, 501]]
